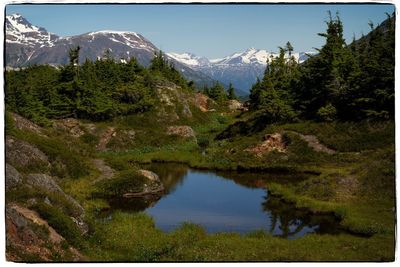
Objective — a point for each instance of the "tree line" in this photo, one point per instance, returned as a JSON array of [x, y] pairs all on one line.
[[344, 82], [97, 90]]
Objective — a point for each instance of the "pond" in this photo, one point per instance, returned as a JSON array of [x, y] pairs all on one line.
[[225, 202]]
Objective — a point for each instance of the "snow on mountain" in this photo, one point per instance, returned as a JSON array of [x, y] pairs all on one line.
[[189, 59], [20, 31], [27, 44], [241, 69]]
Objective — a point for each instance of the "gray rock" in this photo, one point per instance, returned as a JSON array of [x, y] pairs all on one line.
[[21, 153], [184, 131], [46, 182], [13, 178]]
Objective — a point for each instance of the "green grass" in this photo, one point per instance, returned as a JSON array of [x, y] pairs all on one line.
[[133, 237], [62, 223]]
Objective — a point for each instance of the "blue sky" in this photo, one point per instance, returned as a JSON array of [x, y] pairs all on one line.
[[207, 30]]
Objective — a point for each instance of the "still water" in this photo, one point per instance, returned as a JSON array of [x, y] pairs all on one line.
[[224, 202]]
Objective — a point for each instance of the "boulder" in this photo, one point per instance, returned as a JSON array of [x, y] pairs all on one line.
[[13, 178], [47, 183], [150, 175], [105, 138], [24, 124], [235, 105], [23, 235], [271, 142], [70, 125], [152, 188], [23, 154], [201, 102], [184, 131]]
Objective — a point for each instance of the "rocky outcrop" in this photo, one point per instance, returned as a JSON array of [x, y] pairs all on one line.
[[314, 143], [272, 142], [24, 240], [235, 105], [175, 103], [46, 183], [105, 138], [106, 172], [184, 131], [21, 153], [70, 125], [13, 178], [26, 125], [152, 188], [201, 102]]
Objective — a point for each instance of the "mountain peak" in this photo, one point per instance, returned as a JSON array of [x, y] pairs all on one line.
[[21, 31]]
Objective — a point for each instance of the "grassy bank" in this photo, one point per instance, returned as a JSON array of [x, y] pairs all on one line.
[[356, 183]]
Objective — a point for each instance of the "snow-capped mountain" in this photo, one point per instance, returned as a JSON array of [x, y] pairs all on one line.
[[241, 69], [20, 31], [189, 59], [27, 44]]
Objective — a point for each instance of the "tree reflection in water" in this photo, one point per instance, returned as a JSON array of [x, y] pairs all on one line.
[[277, 217], [288, 221]]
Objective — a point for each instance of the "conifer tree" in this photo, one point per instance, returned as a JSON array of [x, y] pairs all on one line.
[[231, 92]]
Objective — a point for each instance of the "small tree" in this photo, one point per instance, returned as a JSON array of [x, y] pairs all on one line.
[[231, 92]]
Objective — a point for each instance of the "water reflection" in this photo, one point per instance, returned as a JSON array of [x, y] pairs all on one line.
[[224, 201], [290, 222]]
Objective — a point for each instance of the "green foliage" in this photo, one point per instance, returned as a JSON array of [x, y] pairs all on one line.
[[124, 182], [231, 92], [60, 222], [217, 93], [96, 91], [327, 113], [345, 82]]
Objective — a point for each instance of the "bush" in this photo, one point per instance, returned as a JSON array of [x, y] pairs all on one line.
[[60, 222], [125, 181], [327, 113]]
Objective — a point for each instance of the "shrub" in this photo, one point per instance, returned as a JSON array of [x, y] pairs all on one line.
[[125, 181], [327, 113], [60, 222]]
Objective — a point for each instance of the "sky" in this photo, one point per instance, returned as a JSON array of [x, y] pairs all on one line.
[[213, 31]]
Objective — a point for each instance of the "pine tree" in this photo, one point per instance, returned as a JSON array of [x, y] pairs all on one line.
[[231, 92]]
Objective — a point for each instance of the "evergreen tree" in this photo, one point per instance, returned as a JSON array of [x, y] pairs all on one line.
[[231, 92], [217, 92]]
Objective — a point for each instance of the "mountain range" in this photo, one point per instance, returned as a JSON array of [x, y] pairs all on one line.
[[241, 69], [27, 44]]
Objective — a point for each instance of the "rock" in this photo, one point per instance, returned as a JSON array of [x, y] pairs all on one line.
[[235, 105], [150, 175], [314, 143], [184, 131], [22, 235], [47, 183], [13, 178], [153, 188], [105, 138], [70, 125], [23, 154], [271, 142], [106, 172], [24, 124], [90, 127], [201, 102], [186, 111]]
